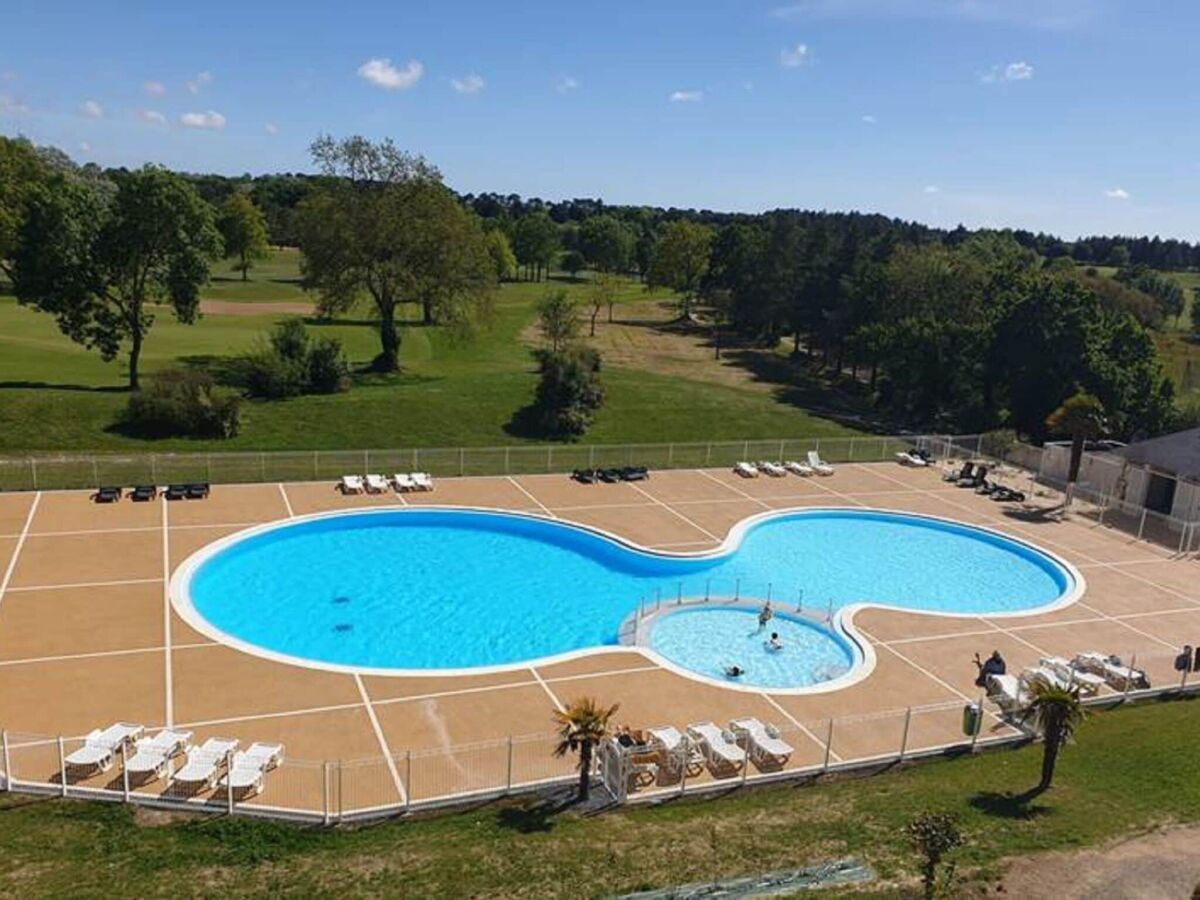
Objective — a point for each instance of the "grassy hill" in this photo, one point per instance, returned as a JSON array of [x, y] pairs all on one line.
[[57, 395]]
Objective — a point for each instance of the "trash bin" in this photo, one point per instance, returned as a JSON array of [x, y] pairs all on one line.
[[972, 719]]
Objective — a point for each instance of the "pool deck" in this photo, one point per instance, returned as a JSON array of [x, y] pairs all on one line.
[[88, 636]]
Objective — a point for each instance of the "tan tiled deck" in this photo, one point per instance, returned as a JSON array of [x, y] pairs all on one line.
[[87, 635]]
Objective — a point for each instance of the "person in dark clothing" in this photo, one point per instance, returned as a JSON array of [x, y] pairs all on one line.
[[993, 665]]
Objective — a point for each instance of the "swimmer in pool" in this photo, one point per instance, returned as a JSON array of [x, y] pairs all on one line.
[[774, 644], [734, 671]]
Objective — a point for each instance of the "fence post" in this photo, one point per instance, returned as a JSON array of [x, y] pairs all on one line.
[[671, 455], [316, 464], [340, 793], [737, 590], [746, 450], [780, 456], [325, 793], [549, 458], [828, 746], [462, 461], [125, 771], [707, 586], [679, 594], [62, 766], [95, 472], [508, 783], [33, 471], [229, 782], [407, 781], [904, 736], [707, 454], [851, 452], [8, 778], [1128, 679], [154, 467], [1142, 525], [978, 724]]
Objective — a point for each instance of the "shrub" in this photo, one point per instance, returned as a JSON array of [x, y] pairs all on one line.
[[274, 377], [569, 392], [328, 372], [291, 364], [183, 402]]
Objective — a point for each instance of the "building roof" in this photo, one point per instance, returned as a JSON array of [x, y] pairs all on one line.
[[1178, 453]]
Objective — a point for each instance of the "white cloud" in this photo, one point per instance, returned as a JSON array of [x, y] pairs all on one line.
[[470, 84], [687, 96], [566, 84], [1014, 71], [271, 128], [154, 88], [796, 57], [211, 120], [1117, 194], [13, 106], [91, 109], [201, 81], [85, 147], [1049, 14], [932, 189], [152, 117], [870, 120], [381, 73]]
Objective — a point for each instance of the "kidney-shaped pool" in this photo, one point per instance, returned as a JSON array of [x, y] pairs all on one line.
[[451, 589]]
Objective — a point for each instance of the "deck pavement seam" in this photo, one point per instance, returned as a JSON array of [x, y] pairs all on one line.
[[675, 513], [736, 490], [286, 502], [383, 744], [16, 553], [816, 740], [520, 487], [120, 582], [553, 697], [169, 683], [97, 654]]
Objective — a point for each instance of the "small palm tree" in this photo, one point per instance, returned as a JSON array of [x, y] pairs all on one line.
[[581, 726], [1056, 712], [1081, 417]]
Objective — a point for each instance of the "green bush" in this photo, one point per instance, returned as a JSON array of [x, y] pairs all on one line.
[[183, 402], [328, 372], [291, 364], [273, 376], [569, 391]]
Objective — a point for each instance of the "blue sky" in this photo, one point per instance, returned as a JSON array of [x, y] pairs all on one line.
[[1073, 116]]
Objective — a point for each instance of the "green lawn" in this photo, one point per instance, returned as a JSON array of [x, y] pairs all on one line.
[[57, 395], [1132, 770], [273, 279]]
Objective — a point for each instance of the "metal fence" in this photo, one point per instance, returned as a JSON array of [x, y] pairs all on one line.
[[56, 472], [420, 780]]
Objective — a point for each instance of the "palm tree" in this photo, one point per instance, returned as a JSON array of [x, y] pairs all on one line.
[[1081, 417], [1056, 712], [581, 726]]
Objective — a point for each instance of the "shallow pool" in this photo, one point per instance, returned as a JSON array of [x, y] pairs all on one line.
[[459, 589]]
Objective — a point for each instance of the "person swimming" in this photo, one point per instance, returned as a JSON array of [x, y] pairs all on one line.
[[774, 644], [765, 615], [734, 671]]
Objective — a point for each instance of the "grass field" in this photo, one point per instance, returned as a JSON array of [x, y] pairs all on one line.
[[1132, 770], [273, 279], [57, 395]]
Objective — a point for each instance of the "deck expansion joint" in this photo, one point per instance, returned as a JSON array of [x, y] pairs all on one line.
[[383, 744], [16, 553]]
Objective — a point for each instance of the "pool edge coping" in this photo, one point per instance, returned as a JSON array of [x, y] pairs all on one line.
[[181, 601]]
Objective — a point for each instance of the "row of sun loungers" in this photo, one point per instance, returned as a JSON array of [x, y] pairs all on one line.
[[611, 476], [723, 751], [197, 490], [377, 484], [814, 466], [1086, 673], [976, 478], [217, 763]]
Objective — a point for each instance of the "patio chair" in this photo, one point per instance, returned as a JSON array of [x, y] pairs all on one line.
[[819, 465], [1116, 675], [763, 742], [107, 495], [204, 763], [746, 469], [775, 470], [99, 746], [176, 492], [798, 468], [198, 490], [1087, 682], [154, 753], [720, 747], [676, 752], [375, 484], [912, 458], [423, 481], [585, 476], [143, 493], [1008, 692], [635, 473], [968, 468], [403, 483], [351, 484], [250, 767]]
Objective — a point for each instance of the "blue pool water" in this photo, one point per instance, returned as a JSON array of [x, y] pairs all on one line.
[[707, 639], [443, 589]]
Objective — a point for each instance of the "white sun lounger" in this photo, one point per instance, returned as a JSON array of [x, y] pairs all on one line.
[[746, 470], [819, 465], [376, 484], [403, 482], [775, 470], [762, 742], [154, 753], [99, 746], [1087, 682], [798, 468], [1008, 692], [1047, 676], [720, 747], [908, 458], [674, 748], [423, 481], [1118, 677], [250, 768], [204, 762], [351, 484]]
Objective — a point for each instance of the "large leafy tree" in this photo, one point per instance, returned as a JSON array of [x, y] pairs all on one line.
[[607, 243], [244, 229], [98, 263], [581, 726], [680, 261], [20, 172], [382, 226], [536, 243]]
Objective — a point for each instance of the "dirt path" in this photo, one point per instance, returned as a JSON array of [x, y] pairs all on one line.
[[1164, 864], [235, 308]]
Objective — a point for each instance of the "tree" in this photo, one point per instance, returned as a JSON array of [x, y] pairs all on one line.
[[97, 264], [501, 251], [581, 726], [245, 232], [558, 320], [1056, 712], [1080, 417], [572, 263], [601, 293], [934, 835], [535, 242], [607, 243], [20, 172], [382, 225], [681, 260]]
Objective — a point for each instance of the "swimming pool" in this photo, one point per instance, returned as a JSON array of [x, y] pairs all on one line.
[[456, 589]]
